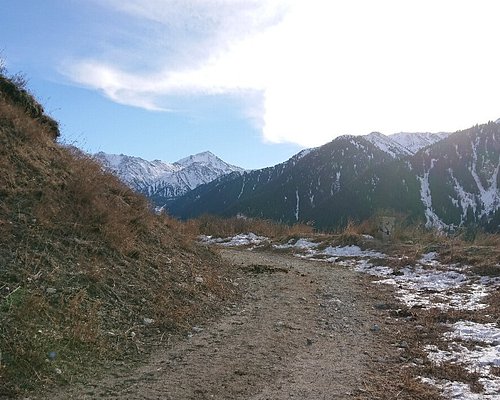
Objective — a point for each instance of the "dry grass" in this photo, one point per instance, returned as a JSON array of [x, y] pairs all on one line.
[[85, 263], [351, 234], [225, 227]]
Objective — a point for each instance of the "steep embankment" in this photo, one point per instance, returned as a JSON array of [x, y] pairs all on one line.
[[87, 273]]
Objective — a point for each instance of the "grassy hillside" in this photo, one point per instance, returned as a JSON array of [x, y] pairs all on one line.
[[88, 275]]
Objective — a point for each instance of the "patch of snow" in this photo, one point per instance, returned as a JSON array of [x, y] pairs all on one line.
[[466, 200], [478, 359], [429, 259], [242, 187], [297, 206], [432, 220], [490, 195], [461, 391], [244, 239], [349, 251], [375, 270], [466, 330], [437, 289], [302, 244]]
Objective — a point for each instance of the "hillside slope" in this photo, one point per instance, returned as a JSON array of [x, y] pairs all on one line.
[[450, 182], [292, 191], [88, 274], [459, 178]]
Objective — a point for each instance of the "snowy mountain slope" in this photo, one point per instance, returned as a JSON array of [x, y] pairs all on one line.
[[460, 178], [403, 144], [452, 182], [162, 181], [413, 142], [387, 144], [134, 171]]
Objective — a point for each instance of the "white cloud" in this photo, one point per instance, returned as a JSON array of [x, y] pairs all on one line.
[[323, 68]]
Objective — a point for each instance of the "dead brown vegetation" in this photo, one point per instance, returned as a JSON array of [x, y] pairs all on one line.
[[224, 227], [88, 273]]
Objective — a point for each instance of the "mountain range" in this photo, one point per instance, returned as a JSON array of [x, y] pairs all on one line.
[[444, 180], [161, 181]]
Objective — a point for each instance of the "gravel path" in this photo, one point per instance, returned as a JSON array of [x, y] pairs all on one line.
[[303, 330]]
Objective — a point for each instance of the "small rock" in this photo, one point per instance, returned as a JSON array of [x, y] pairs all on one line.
[[418, 361], [58, 371], [403, 345], [52, 355], [51, 290], [375, 328], [309, 342], [198, 279], [148, 321], [197, 329]]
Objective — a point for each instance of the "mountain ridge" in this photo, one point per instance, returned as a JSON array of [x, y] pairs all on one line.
[[162, 181], [353, 178]]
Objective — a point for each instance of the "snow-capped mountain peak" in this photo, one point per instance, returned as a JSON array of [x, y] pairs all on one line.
[[414, 141], [387, 144], [404, 143], [162, 181], [207, 158], [134, 171]]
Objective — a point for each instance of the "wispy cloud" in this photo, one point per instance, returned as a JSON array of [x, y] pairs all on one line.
[[323, 68]]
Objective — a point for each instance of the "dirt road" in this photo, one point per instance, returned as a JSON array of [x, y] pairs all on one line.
[[303, 330]]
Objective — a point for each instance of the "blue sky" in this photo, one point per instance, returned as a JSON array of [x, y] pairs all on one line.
[[254, 81]]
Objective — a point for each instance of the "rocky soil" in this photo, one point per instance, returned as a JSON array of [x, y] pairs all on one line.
[[303, 330]]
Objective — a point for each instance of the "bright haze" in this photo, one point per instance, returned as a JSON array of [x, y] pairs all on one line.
[[253, 81]]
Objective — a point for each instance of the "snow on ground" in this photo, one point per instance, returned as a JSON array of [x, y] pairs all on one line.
[[349, 251], [243, 239], [430, 284], [437, 289], [425, 284], [333, 254], [302, 244], [478, 358], [461, 391]]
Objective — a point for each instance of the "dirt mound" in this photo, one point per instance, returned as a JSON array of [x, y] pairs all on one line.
[[88, 273]]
